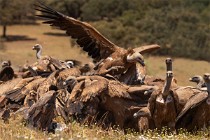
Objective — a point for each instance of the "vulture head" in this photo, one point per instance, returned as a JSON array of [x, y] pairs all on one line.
[[72, 63], [143, 112], [38, 49], [135, 57], [168, 64], [197, 79], [206, 78], [6, 63]]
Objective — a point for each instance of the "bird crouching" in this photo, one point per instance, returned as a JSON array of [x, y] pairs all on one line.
[[195, 115], [36, 114]]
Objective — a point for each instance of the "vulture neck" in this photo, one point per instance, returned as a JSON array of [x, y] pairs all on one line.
[[200, 84], [166, 88], [169, 66], [39, 53]]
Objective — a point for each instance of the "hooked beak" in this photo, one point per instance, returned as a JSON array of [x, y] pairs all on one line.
[[141, 62], [190, 79]]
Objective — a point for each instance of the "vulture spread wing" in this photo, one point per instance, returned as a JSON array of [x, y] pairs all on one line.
[[147, 48], [87, 37], [193, 102]]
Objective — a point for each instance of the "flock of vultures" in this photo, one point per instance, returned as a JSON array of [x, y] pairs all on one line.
[[114, 90]]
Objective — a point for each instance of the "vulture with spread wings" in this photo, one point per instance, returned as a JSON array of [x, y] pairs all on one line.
[[110, 58]]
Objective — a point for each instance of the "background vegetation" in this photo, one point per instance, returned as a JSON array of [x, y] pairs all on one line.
[[182, 28]]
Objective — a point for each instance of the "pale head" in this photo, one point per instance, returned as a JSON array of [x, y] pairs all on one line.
[[206, 77], [197, 79], [135, 57], [70, 63], [6, 63], [37, 47], [168, 64]]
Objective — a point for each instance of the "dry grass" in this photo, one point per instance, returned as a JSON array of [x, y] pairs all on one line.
[[57, 46], [15, 130], [60, 47]]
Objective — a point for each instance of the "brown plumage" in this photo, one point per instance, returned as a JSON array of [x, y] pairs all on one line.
[[6, 73], [196, 112], [9, 85], [64, 74], [48, 84], [110, 58], [145, 120], [92, 94], [17, 94], [182, 95], [161, 109], [41, 113]]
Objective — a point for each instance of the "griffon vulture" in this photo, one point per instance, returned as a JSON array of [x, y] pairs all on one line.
[[110, 58], [196, 112], [161, 110]]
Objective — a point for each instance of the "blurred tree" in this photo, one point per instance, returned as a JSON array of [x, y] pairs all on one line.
[[100, 9], [15, 12], [68, 7]]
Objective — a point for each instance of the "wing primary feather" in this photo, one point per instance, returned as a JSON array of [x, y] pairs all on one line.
[[47, 16], [87, 48], [45, 10], [87, 36]]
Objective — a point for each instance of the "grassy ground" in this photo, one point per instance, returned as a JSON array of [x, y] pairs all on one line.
[[55, 44], [15, 130]]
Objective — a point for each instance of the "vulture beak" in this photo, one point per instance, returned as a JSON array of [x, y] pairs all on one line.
[[144, 112], [33, 48], [141, 62], [190, 79]]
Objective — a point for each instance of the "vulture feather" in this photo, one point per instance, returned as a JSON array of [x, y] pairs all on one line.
[[111, 59], [196, 112]]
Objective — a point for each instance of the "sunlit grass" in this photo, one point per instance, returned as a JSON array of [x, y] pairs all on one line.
[[15, 129]]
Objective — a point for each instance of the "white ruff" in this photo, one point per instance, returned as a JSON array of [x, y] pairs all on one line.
[[160, 99], [34, 68], [110, 58]]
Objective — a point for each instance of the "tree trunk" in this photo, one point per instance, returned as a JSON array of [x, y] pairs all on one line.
[[4, 31]]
